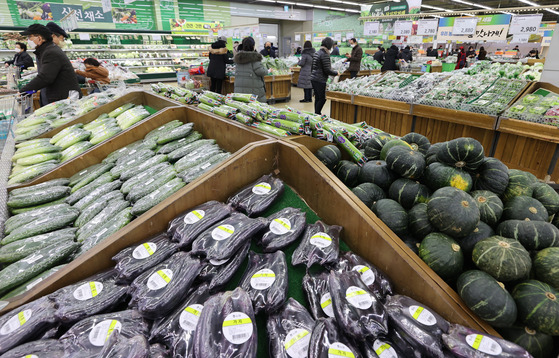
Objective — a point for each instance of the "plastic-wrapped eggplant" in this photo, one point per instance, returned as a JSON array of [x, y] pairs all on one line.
[[468, 343], [255, 198], [223, 239], [45, 348], [358, 311], [158, 351], [375, 279], [118, 346], [402, 345], [265, 281], [27, 322], [381, 348], [320, 245], [327, 341], [318, 294], [88, 337], [177, 330], [227, 327], [186, 227], [88, 297], [285, 227], [159, 290], [289, 331], [136, 259], [419, 325], [219, 272]]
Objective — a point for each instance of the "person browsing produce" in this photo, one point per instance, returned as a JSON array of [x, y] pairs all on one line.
[[268, 50], [21, 59], [56, 76], [390, 59], [94, 70], [219, 59], [58, 34], [321, 69], [306, 67], [462, 58], [379, 55], [355, 58], [250, 72]]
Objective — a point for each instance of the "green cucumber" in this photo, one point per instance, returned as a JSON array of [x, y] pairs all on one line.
[[75, 150], [32, 172], [95, 207], [193, 173], [33, 133], [31, 208], [181, 152], [154, 134], [106, 134], [128, 162], [82, 192], [174, 145], [19, 249], [97, 193], [139, 191], [97, 123], [78, 136], [38, 197], [127, 150], [174, 134], [151, 200], [35, 150], [120, 110], [112, 207], [17, 220], [196, 157], [33, 143], [156, 159], [38, 158], [24, 287], [66, 131], [38, 187], [88, 175], [144, 176]]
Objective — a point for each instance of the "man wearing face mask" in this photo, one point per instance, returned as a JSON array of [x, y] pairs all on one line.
[[355, 58], [268, 51], [58, 34], [21, 59], [56, 76]]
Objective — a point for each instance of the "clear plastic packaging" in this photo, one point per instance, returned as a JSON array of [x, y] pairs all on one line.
[[327, 340], [376, 347], [45, 348], [219, 272], [158, 351], [318, 294], [320, 245], [285, 227], [255, 198], [118, 346]]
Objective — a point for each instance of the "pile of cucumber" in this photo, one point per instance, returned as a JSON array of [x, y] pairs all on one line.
[[37, 156], [61, 219]]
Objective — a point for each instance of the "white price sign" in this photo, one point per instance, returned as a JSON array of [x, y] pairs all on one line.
[[371, 28], [308, 37], [520, 39], [403, 28], [465, 26], [427, 27], [298, 37], [525, 24], [349, 35], [338, 36]]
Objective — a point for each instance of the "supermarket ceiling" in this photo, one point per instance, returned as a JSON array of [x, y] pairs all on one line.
[[426, 7]]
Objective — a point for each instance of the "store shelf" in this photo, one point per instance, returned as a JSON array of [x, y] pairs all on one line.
[[129, 49]]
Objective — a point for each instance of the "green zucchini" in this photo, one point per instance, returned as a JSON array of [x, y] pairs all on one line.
[[181, 152], [31, 208], [118, 221], [34, 264], [20, 219], [193, 173], [196, 157], [140, 178], [162, 193], [19, 249], [38, 187], [139, 191], [88, 175], [174, 134], [154, 134], [31, 283], [97, 193], [174, 145], [82, 192], [130, 172], [112, 207], [38, 197], [95, 207]]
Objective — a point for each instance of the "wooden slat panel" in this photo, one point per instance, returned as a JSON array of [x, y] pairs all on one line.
[[441, 131], [534, 130], [380, 103], [344, 112], [460, 117]]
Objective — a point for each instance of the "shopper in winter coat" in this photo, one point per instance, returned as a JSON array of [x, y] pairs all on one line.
[[390, 59], [406, 54], [471, 52], [249, 76], [268, 50], [321, 69], [335, 50], [219, 59], [21, 59], [94, 70], [56, 75], [462, 58], [305, 75], [482, 54], [58, 34], [355, 58], [379, 55]]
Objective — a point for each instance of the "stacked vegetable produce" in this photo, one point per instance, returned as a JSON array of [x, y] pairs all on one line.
[[541, 106], [490, 232], [99, 200], [37, 156], [182, 294], [178, 94]]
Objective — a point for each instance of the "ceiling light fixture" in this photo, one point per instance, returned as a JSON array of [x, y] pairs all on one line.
[[303, 4], [433, 7]]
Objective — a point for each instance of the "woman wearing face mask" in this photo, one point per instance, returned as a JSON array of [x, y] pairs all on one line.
[[21, 59], [58, 34], [56, 76], [250, 72]]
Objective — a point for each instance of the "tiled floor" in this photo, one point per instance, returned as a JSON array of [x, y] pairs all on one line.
[[297, 94]]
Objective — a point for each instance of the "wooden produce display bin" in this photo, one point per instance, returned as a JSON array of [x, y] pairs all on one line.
[[346, 75], [295, 71], [300, 170], [341, 106], [278, 88], [436, 68], [230, 136]]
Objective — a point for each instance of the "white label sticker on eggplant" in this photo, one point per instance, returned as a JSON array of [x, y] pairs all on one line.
[[321, 240], [218, 262], [358, 297], [296, 343], [144, 250], [367, 275], [484, 344], [222, 232], [194, 216], [102, 331], [262, 279], [261, 188], [280, 226], [384, 350], [326, 304], [31, 356], [189, 317], [237, 327], [88, 290], [15, 322], [339, 350], [423, 316], [160, 279]]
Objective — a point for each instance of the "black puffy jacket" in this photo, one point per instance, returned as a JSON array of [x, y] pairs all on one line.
[[321, 66]]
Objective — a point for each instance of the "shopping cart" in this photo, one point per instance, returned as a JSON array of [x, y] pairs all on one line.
[[13, 107]]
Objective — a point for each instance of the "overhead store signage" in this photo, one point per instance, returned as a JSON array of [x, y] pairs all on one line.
[[91, 14], [199, 28], [427, 27], [465, 26], [525, 24], [489, 28], [392, 8], [371, 28], [403, 28]]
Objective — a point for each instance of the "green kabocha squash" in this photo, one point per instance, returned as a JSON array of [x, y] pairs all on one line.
[[546, 195], [539, 345], [523, 208], [490, 206], [391, 144], [546, 266], [453, 212], [406, 162], [520, 183], [419, 224], [432, 153], [408, 192], [533, 235], [368, 193], [392, 214], [374, 145], [481, 232], [411, 242], [329, 155], [492, 175], [418, 142], [505, 259], [538, 306], [487, 297], [348, 172], [438, 175], [377, 172], [442, 254], [466, 153]]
